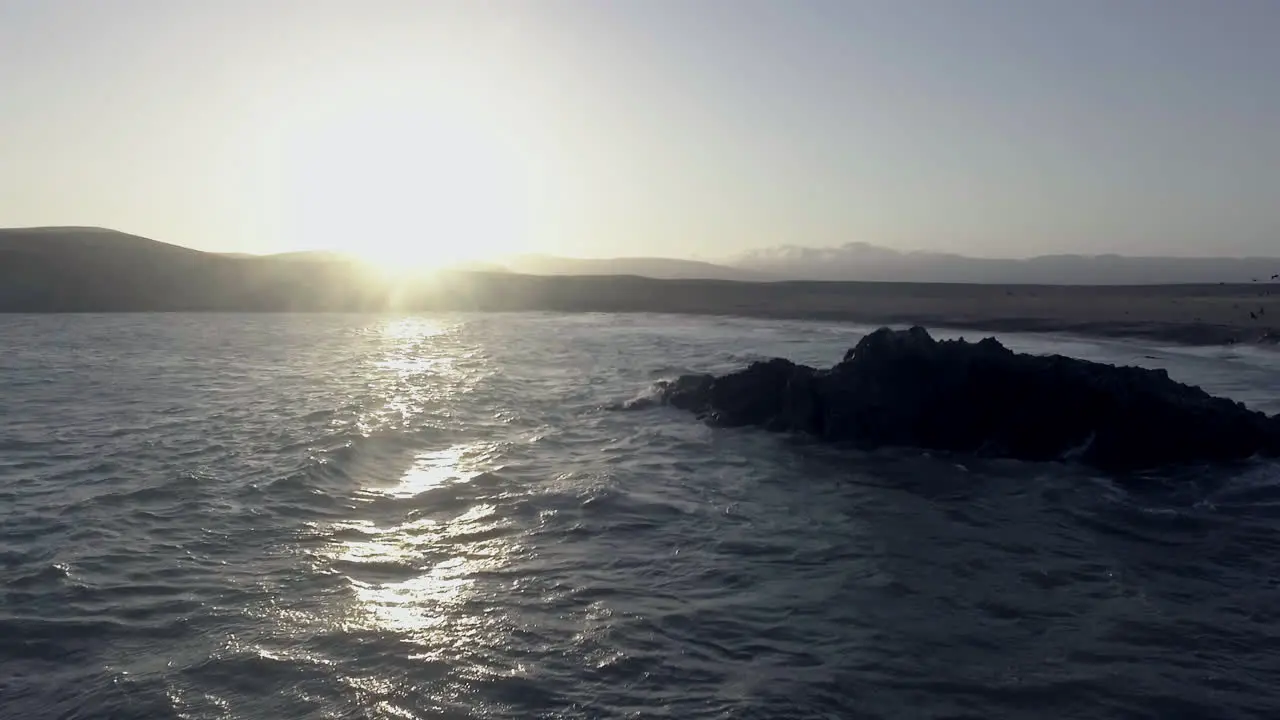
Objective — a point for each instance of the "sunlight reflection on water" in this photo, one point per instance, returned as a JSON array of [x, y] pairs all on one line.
[[409, 570], [370, 517], [431, 470]]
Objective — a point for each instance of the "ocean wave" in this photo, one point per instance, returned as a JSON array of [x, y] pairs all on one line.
[[413, 517]]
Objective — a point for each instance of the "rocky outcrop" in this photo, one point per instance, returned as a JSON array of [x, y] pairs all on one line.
[[904, 388]]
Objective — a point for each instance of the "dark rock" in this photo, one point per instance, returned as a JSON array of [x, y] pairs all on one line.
[[904, 388]]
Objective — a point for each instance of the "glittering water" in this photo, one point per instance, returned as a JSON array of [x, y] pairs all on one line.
[[208, 516]]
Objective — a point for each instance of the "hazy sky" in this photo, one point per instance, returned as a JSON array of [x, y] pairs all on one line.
[[654, 127]]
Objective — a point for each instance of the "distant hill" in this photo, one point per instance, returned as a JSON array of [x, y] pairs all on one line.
[[76, 269], [866, 262], [859, 262], [325, 256], [313, 256], [662, 268], [300, 255], [57, 240], [99, 270], [95, 270]]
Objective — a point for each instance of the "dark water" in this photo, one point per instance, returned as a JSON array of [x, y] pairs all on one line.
[[361, 517]]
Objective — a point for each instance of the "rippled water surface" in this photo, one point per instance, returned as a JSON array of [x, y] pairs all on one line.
[[441, 516]]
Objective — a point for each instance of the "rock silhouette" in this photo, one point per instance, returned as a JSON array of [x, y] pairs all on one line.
[[904, 388]]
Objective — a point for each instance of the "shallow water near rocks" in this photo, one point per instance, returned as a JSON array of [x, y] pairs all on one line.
[[326, 516]]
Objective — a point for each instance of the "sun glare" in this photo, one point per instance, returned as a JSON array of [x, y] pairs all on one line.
[[408, 192]]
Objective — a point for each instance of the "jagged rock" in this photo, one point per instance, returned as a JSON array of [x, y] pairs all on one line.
[[904, 388]]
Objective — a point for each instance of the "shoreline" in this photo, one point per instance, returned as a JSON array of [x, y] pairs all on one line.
[[1203, 315], [1183, 334], [1176, 334]]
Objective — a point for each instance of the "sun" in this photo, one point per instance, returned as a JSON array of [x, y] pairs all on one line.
[[408, 192]]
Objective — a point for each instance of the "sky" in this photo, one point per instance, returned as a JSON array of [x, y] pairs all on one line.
[[681, 128]]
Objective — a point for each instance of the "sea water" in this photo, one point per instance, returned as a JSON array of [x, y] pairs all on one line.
[[339, 516]]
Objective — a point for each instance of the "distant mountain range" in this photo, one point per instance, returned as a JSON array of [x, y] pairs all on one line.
[[850, 262], [866, 262], [537, 264], [654, 267], [872, 263], [92, 270]]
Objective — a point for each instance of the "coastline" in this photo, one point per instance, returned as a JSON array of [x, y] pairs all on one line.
[[1191, 334], [1204, 315], [1192, 315], [1183, 334]]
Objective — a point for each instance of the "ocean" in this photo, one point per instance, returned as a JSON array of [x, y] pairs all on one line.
[[453, 516]]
